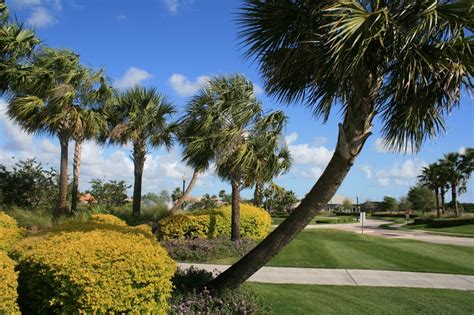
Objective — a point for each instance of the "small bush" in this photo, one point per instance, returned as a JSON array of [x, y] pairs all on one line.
[[187, 299], [204, 250], [255, 223], [397, 214], [8, 287], [31, 220], [147, 215], [93, 271], [107, 218], [9, 231]]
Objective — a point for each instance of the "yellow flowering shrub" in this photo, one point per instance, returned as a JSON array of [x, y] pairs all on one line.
[[107, 218], [8, 286], [255, 223], [9, 231], [95, 271]]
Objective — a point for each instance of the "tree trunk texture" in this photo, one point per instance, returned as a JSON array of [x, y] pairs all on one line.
[[179, 203], [454, 198], [353, 133], [443, 198], [139, 156], [258, 194], [76, 168], [61, 205], [438, 214], [235, 227]]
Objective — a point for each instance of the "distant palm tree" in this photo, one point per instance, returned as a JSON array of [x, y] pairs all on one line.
[[431, 178], [17, 43], [405, 61], [222, 124], [93, 94], [48, 101], [140, 116], [458, 169]]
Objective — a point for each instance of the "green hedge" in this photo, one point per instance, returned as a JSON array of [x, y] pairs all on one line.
[[399, 214], [441, 223], [255, 223], [95, 268]]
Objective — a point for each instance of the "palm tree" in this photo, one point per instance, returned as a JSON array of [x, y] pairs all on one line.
[[458, 170], [93, 94], [140, 116], [48, 101], [16, 44], [430, 178], [221, 125], [405, 61], [271, 157]]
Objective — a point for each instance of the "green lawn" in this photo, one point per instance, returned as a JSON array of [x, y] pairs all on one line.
[[463, 230], [313, 299], [322, 220], [324, 248]]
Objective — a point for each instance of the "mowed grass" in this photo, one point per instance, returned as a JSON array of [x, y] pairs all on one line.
[[324, 248], [312, 299], [461, 230], [322, 220]]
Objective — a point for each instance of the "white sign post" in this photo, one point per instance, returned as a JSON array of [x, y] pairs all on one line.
[[362, 221]]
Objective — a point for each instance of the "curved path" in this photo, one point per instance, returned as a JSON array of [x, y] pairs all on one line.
[[372, 227], [352, 277]]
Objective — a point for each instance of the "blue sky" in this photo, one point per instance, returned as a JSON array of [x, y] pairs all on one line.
[[176, 45]]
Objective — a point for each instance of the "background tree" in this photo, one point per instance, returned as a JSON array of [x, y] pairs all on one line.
[[405, 61], [112, 193], [222, 124], [140, 116], [17, 43], [431, 178], [389, 204], [422, 198], [347, 204], [45, 102], [176, 194], [404, 204]]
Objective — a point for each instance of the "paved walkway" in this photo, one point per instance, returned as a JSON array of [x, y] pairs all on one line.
[[372, 227], [352, 277]]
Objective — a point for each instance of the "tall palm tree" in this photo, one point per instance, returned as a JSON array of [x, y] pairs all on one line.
[[47, 101], [405, 61], [458, 172], [222, 125], [17, 43], [140, 116], [93, 94], [430, 178]]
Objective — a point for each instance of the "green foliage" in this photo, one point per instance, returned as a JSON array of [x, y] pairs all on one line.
[[277, 199], [113, 193], [404, 204], [421, 198], [31, 220], [207, 202], [347, 204], [151, 199], [93, 267], [9, 231], [255, 223], [28, 185], [147, 214], [8, 287], [389, 204], [177, 193], [444, 222]]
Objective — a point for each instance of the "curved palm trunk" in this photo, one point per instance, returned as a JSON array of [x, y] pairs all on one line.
[[61, 205], [258, 194], [76, 168], [454, 198], [235, 227], [352, 135], [438, 214], [179, 203], [139, 156]]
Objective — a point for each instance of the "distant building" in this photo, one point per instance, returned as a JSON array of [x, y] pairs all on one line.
[[336, 202]]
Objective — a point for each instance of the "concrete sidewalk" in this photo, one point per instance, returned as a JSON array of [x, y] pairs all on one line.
[[353, 277]]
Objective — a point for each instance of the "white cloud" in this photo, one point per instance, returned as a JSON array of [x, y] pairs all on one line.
[[380, 146], [304, 154], [133, 76], [383, 178], [462, 150], [121, 17], [257, 89], [312, 172], [172, 5], [367, 170], [41, 17], [289, 139], [18, 140], [185, 87]]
